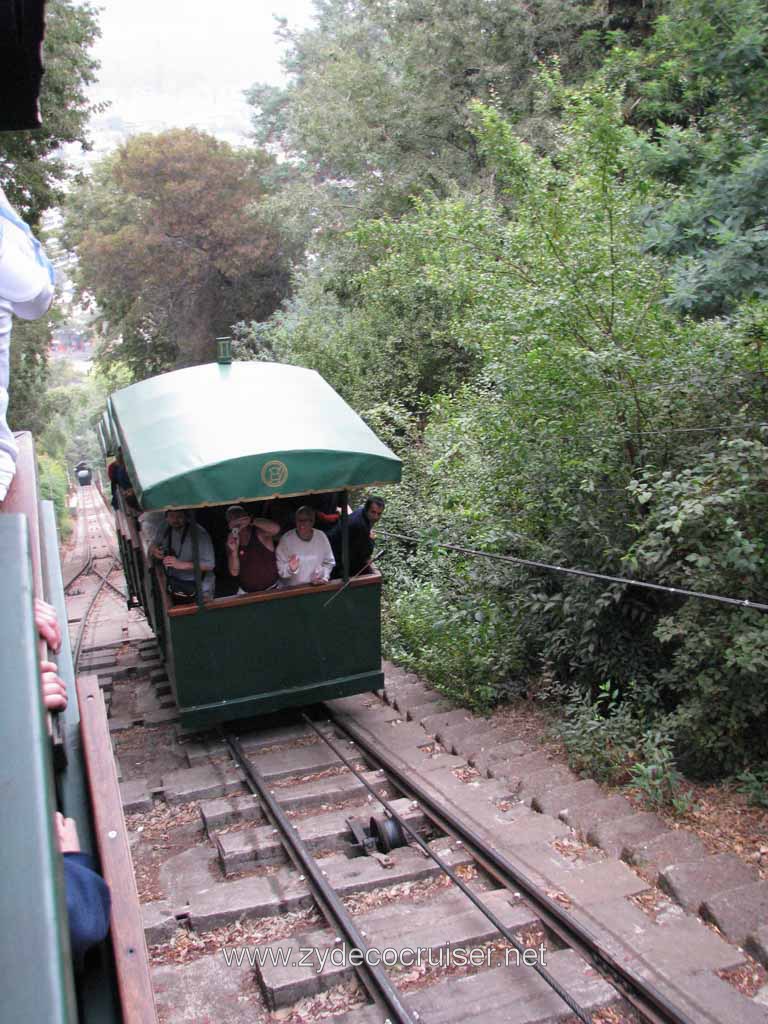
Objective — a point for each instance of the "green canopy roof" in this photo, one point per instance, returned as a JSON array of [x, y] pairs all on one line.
[[220, 433]]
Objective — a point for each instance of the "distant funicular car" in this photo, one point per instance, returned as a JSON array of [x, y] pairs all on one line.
[[207, 437]]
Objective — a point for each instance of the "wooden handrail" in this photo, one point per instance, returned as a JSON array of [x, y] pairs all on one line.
[[236, 600], [129, 946]]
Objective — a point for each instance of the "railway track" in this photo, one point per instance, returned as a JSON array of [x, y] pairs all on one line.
[[95, 563], [259, 879], [235, 920]]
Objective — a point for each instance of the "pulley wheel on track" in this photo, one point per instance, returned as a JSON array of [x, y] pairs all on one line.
[[387, 833]]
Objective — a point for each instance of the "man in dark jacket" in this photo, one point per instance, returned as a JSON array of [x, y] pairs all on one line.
[[360, 524]]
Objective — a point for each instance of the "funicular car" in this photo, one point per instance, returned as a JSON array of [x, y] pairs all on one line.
[[207, 437]]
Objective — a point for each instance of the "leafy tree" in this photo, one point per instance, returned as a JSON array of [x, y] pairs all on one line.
[[29, 372], [582, 384], [32, 168], [699, 85], [53, 487], [377, 105], [33, 173], [175, 247], [704, 531], [382, 313], [510, 332]]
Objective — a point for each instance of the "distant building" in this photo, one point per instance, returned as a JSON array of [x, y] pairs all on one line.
[[69, 339]]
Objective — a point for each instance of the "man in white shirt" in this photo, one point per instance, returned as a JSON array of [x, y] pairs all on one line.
[[304, 555]]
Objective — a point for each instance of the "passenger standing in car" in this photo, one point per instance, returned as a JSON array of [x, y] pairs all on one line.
[[304, 555], [173, 545], [251, 554], [360, 525]]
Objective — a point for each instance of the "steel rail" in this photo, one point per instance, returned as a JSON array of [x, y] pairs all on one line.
[[84, 568], [553, 983], [376, 981], [88, 568], [84, 622], [106, 579], [645, 997]]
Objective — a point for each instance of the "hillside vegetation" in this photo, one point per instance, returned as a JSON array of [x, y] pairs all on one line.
[[529, 244]]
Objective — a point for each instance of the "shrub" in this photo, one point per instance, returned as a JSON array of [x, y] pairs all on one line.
[[601, 736], [53, 487], [463, 644]]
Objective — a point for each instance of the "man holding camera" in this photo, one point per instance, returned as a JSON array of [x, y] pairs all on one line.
[[251, 550], [175, 548]]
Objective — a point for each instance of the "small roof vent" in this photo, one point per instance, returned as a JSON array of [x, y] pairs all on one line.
[[224, 355]]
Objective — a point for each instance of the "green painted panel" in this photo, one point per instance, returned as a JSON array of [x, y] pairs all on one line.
[[97, 992], [216, 434], [34, 942], [107, 431], [204, 717], [234, 661]]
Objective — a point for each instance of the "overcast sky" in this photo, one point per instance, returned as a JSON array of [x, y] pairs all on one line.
[[174, 63]]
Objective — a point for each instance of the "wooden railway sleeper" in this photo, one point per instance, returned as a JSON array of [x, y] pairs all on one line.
[[378, 985]]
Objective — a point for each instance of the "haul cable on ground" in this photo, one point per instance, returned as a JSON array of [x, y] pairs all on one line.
[[377, 983]]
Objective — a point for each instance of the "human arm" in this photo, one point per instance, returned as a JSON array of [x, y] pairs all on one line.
[[287, 562], [159, 545], [88, 899], [267, 526], [172, 562], [323, 572], [26, 274], [233, 552]]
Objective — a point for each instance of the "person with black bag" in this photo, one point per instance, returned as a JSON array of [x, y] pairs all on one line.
[[173, 545]]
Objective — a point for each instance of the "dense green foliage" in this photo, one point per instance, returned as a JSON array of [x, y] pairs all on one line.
[[506, 256], [33, 168], [376, 110], [52, 478], [29, 371], [34, 172], [701, 85]]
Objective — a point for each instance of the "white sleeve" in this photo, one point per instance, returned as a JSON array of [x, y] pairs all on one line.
[[328, 560], [26, 274], [283, 554]]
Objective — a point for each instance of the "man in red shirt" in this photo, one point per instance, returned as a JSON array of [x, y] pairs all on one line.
[[251, 550]]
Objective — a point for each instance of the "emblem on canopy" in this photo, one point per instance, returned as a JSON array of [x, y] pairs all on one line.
[[274, 473]]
